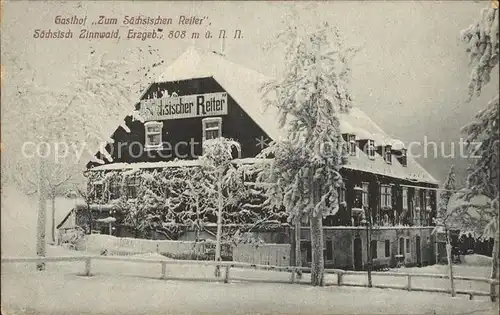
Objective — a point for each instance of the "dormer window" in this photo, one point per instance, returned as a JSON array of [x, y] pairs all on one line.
[[370, 150], [403, 159], [352, 144], [388, 154], [153, 130], [212, 128]]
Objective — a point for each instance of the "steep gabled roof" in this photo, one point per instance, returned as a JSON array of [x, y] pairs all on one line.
[[244, 84], [241, 83]]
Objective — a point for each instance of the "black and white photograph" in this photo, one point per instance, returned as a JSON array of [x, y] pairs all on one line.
[[250, 157]]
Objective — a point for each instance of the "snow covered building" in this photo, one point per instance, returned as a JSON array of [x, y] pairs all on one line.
[[202, 96]]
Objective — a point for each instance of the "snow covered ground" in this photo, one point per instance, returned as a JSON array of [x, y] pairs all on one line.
[[62, 293], [19, 217], [132, 288]]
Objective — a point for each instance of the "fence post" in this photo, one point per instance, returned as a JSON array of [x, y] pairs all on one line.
[[226, 278], [339, 278], [409, 282], [493, 294], [293, 274], [163, 270], [87, 266]]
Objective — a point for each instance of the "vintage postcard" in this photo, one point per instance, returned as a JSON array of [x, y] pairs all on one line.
[[260, 157]]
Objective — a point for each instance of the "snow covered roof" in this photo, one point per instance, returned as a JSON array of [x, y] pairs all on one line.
[[140, 165], [243, 85], [478, 201], [397, 144]]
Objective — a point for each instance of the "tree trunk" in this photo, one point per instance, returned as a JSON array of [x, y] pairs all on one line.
[[53, 225], [317, 265], [450, 263], [316, 221], [219, 226], [298, 258], [494, 264], [42, 213], [197, 219]]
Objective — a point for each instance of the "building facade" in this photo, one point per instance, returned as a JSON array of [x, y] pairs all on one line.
[[203, 96]]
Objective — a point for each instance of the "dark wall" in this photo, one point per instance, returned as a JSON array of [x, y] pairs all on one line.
[[343, 246], [236, 125], [354, 178]]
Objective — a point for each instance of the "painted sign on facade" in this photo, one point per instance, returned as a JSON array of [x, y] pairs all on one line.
[[189, 106]]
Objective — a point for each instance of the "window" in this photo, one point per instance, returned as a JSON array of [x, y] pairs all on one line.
[[427, 195], [305, 246], [97, 191], [417, 198], [373, 248], [401, 246], [341, 192], [403, 158], [405, 198], [385, 196], [132, 186], [388, 155], [212, 128], [352, 144], [371, 149], [153, 135], [407, 245], [328, 253], [365, 194], [387, 248], [114, 189], [416, 202]]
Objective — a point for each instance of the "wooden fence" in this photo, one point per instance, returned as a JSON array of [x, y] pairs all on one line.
[[227, 265], [263, 254]]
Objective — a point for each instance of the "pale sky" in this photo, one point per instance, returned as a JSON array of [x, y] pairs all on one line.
[[411, 75]]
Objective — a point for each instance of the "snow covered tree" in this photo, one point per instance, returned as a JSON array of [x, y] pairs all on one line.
[[482, 40], [443, 220], [224, 183], [309, 96], [80, 117]]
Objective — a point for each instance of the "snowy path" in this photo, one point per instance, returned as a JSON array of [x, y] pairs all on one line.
[[60, 293], [60, 290], [131, 288]]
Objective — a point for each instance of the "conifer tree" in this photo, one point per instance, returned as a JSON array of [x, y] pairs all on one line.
[[443, 220], [309, 96], [482, 45]]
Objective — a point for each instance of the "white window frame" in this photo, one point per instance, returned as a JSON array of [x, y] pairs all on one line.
[[405, 157], [405, 198], [388, 155], [113, 182], [427, 200], [365, 194], [133, 180], [208, 120], [416, 197], [371, 149], [352, 144], [149, 146], [385, 196]]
